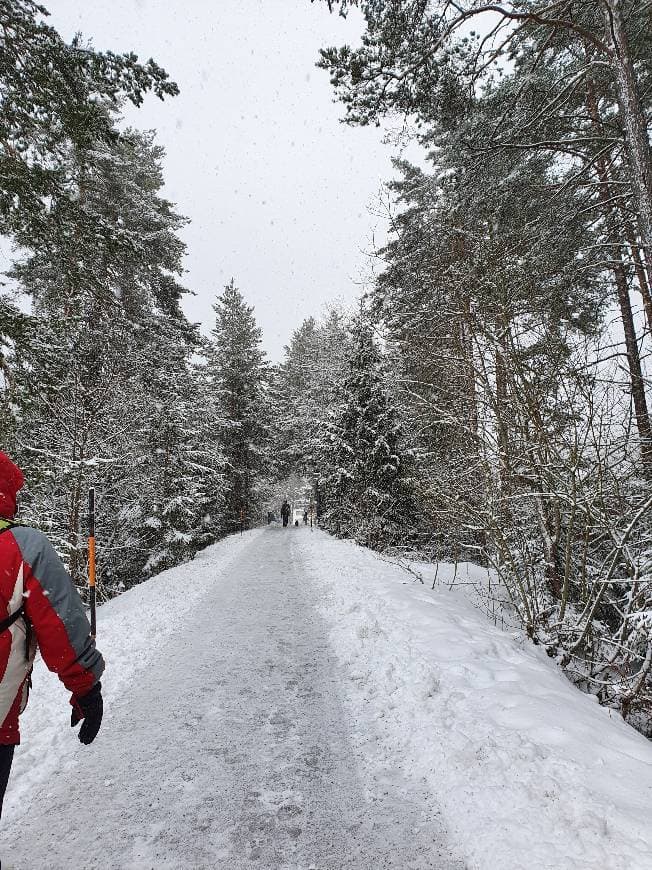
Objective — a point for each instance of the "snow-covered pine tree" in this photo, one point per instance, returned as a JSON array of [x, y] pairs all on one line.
[[237, 370], [372, 493], [105, 309], [293, 403], [14, 328], [57, 126], [180, 484], [417, 58], [304, 390], [53, 99]]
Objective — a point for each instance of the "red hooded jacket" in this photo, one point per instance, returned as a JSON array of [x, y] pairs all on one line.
[[31, 573]]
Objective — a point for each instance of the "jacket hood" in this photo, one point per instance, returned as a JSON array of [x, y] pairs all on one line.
[[11, 481]]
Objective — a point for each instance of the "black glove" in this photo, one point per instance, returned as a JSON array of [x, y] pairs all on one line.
[[89, 708]]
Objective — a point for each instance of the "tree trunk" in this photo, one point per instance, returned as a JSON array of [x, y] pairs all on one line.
[[642, 276], [467, 356], [620, 276], [634, 363], [501, 424], [549, 529], [633, 120]]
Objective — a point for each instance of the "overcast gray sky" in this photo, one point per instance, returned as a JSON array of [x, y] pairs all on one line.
[[279, 192]]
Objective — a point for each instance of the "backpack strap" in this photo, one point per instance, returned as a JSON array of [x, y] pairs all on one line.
[[9, 621]]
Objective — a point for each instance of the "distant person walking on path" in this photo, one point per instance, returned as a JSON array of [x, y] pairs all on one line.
[[285, 512], [305, 518], [43, 610]]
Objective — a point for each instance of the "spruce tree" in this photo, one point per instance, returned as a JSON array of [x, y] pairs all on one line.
[[238, 371], [372, 494], [303, 389]]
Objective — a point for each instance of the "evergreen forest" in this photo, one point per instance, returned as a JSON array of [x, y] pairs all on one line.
[[487, 399]]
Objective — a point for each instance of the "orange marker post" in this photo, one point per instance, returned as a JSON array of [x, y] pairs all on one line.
[[91, 557]]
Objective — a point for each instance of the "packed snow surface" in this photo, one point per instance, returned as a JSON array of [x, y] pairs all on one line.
[[288, 701]]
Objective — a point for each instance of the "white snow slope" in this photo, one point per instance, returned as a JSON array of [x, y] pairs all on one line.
[[287, 701]]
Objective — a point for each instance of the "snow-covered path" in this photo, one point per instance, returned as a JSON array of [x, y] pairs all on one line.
[[288, 700], [232, 748]]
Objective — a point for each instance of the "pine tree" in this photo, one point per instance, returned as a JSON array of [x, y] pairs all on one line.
[[107, 372], [303, 390], [372, 485], [14, 329], [180, 499], [238, 371], [55, 98], [416, 58], [294, 403]]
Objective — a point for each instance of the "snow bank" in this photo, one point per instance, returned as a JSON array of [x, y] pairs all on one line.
[[529, 771], [130, 630]]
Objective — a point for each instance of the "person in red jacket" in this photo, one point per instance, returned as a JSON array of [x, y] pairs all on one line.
[[39, 608]]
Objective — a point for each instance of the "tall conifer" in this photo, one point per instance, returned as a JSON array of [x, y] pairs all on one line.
[[237, 367], [372, 486]]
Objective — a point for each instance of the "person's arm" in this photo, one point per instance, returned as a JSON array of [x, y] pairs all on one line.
[[56, 613]]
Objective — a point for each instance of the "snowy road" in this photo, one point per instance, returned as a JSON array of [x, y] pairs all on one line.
[[288, 700], [233, 749]]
